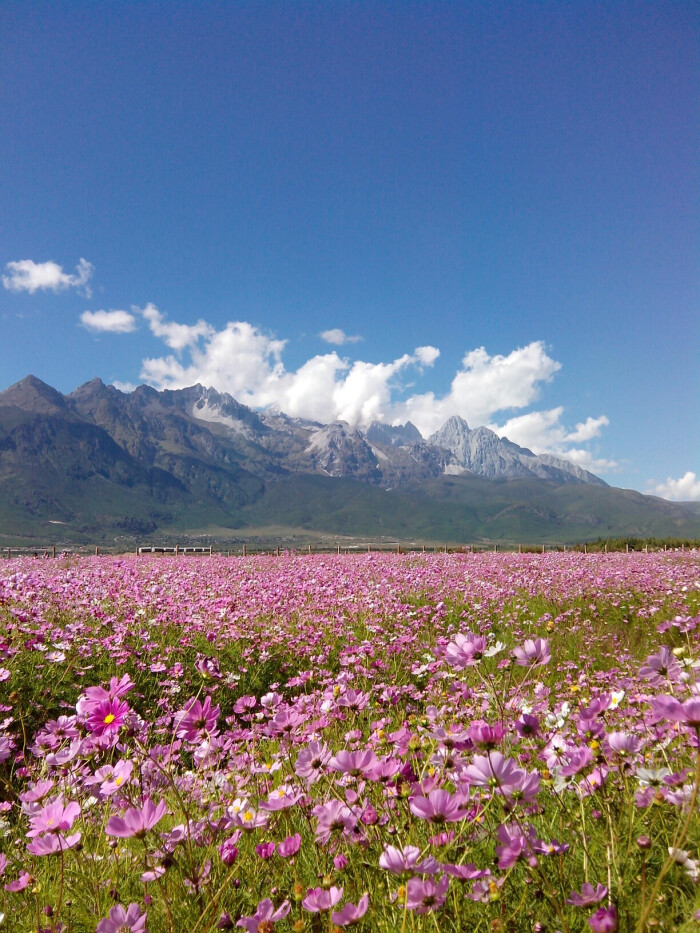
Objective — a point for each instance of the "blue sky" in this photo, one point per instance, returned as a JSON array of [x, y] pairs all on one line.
[[359, 210]]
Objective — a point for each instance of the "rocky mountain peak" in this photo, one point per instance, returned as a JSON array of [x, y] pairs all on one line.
[[34, 396]]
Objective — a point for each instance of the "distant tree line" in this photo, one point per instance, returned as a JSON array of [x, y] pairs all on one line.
[[637, 544]]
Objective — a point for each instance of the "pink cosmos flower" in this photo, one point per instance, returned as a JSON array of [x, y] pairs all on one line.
[[53, 843], [516, 844], [533, 653], [465, 650], [502, 774], [281, 798], [661, 666], [131, 920], [95, 695], [107, 716], [36, 792], [54, 817], [136, 822], [333, 816], [406, 861], [312, 760], [604, 920], [197, 721], [589, 895], [439, 807], [289, 846], [423, 896], [354, 700], [23, 881], [354, 763], [350, 914], [265, 850], [265, 914], [686, 712], [228, 850], [121, 774], [320, 900]]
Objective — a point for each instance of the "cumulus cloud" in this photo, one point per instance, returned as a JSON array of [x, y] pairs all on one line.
[[685, 489], [338, 337], [175, 336], [247, 363], [543, 433], [109, 322], [483, 386], [29, 276]]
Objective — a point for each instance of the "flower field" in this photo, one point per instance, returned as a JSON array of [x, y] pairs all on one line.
[[447, 742]]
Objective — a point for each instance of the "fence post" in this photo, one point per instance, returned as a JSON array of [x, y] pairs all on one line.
[[54, 551], [97, 550], [245, 551], [338, 550]]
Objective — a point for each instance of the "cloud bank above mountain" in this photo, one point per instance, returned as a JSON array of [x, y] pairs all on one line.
[[247, 363]]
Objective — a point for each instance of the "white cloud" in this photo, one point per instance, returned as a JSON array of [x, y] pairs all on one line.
[[483, 386], [543, 433], [685, 489], [176, 336], [247, 363], [111, 322], [338, 337], [29, 276]]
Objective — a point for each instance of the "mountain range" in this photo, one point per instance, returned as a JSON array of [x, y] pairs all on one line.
[[100, 464]]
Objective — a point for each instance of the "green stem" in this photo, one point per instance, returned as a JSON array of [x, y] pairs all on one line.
[[677, 843]]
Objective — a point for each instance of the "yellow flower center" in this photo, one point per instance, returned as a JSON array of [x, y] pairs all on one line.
[[109, 718]]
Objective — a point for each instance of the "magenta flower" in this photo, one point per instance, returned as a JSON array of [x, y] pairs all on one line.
[[107, 716], [311, 761], [465, 650], [197, 721], [54, 818], [423, 896], [534, 652], [354, 763], [289, 846], [502, 774], [350, 914], [136, 822], [228, 850], [53, 843], [264, 916], [406, 861], [320, 900], [660, 667], [439, 807], [22, 882], [589, 895], [527, 725], [333, 816], [265, 850], [686, 712], [131, 920], [604, 920]]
